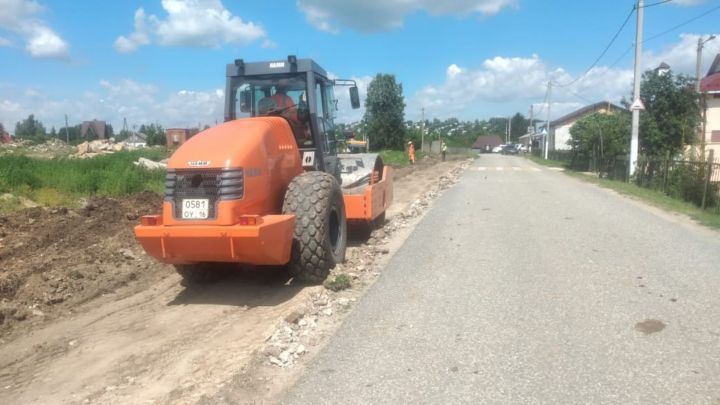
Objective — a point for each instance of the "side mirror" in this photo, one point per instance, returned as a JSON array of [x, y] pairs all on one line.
[[354, 97], [245, 101]]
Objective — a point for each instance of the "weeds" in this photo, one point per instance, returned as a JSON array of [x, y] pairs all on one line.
[[59, 182], [339, 283]]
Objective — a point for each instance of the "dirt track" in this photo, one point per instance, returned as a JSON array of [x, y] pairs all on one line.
[[147, 339]]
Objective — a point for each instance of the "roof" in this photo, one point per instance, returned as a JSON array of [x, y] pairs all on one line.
[[584, 111], [96, 127], [711, 82], [242, 68], [487, 140]]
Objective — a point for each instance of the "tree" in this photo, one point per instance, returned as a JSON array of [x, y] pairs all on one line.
[[73, 132], [384, 113], [498, 126], [29, 128], [672, 113], [602, 136], [155, 134], [519, 128]]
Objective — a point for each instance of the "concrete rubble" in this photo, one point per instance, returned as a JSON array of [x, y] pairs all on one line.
[[301, 330], [151, 164], [90, 149]]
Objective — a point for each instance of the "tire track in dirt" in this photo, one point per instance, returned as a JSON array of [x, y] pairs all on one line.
[[166, 343]]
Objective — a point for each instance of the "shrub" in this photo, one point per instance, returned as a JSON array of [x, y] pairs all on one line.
[[339, 283]]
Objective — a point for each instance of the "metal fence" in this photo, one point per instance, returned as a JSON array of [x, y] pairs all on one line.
[[696, 180]]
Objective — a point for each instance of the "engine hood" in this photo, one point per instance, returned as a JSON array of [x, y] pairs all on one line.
[[239, 143]]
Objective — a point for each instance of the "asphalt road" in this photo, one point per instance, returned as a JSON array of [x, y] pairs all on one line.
[[523, 285]]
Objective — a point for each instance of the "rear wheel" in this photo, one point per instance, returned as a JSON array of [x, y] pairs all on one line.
[[320, 236]]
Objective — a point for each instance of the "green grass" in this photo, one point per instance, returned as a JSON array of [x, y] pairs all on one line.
[[548, 163], [339, 283], [61, 182], [398, 157], [655, 198]]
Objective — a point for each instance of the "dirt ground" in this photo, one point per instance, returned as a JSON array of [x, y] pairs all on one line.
[[87, 317]]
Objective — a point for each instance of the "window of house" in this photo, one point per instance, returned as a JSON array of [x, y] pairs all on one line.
[[715, 136]]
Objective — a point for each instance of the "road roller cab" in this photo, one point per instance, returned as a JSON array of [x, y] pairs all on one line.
[[267, 187]]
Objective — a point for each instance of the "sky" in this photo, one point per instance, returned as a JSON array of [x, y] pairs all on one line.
[[163, 61]]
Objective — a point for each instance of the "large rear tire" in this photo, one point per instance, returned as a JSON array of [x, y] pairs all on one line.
[[320, 236]]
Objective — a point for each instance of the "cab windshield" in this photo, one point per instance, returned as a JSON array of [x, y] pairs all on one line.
[[282, 96]]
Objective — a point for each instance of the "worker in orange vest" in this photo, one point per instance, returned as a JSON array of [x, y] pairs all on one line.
[[411, 152]]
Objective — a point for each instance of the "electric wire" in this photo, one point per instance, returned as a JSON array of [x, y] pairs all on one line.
[[612, 41], [656, 3], [682, 24]]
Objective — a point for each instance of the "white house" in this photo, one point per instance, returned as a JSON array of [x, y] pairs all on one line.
[[710, 89], [560, 128]]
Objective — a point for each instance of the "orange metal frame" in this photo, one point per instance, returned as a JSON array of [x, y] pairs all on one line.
[[373, 202], [267, 242]]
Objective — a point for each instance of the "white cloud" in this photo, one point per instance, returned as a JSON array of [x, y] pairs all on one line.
[[682, 56], [687, 2], [140, 103], [43, 42], [504, 85], [20, 17], [136, 39], [345, 112], [5, 42], [383, 15], [204, 23]]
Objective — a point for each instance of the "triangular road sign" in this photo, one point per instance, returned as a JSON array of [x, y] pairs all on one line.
[[637, 105]]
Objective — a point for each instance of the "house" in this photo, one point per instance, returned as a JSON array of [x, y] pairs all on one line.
[[178, 136], [4, 135], [487, 142], [560, 128], [93, 129], [710, 89], [136, 140]]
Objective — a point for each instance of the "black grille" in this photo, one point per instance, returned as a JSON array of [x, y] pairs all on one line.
[[213, 184]]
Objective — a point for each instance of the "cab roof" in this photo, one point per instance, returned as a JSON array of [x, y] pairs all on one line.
[[289, 65]]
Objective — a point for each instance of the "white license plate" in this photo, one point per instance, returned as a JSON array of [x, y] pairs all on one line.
[[195, 208]]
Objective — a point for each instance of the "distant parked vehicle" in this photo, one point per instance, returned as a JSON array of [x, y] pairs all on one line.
[[498, 149], [509, 149]]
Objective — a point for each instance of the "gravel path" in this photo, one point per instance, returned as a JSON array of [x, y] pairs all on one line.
[[523, 285]]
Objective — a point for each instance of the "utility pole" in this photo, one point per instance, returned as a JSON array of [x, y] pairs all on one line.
[[698, 61], [637, 104], [532, 125], [422, 134], [67, 134], [703, 104], [509, 129], [546, 141]]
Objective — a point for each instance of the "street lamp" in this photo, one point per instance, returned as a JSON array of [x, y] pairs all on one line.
[[698, 62]]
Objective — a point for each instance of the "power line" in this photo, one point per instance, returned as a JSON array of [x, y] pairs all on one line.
[[578, 96], [542, 106], [612, 41], [657, 3], [630, 48], [682, 24]]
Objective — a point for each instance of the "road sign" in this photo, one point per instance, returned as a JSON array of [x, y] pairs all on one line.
[[637, 105]]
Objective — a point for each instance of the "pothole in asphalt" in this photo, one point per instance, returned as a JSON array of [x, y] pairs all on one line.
[[650, 326]]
